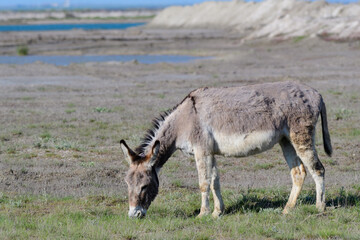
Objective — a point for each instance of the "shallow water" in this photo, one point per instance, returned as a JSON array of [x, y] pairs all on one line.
[[68, 26], [66, 60]]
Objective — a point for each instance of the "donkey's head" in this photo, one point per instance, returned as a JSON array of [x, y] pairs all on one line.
[[141, 178]]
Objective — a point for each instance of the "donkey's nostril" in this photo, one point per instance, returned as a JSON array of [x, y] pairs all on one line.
[[137, 212]]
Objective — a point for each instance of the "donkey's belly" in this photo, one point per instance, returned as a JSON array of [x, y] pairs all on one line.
[[240, 145]]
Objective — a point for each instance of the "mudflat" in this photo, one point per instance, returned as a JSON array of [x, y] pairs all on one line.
[[61, 125]]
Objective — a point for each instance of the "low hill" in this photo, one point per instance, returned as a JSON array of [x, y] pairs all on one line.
[[268, 19]]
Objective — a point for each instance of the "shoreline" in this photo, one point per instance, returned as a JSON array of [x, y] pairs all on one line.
[[76, 16], [75, 21]]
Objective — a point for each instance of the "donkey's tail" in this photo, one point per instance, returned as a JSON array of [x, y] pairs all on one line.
[[325, 130]]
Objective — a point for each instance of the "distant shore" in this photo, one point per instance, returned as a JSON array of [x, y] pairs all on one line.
[[75, 16], [266, 20]]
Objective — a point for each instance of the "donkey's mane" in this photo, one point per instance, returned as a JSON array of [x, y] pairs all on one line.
[[156, 124], [150, 133]]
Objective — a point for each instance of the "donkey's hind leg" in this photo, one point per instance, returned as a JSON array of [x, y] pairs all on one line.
[[304, 145], [297, 171], [215, 188], [204, 167]]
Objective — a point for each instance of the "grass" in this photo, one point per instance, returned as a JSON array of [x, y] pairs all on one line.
[[69, 111], [299, 38], [22, 50], [251, 214], [264, 166], [11, 150], [342, 114], [28, 98], [102, 110], [354, 132], [161, 95], [87, 164], [46, 141], [64, 139], [177, 183], [335, 92], [29, 155]]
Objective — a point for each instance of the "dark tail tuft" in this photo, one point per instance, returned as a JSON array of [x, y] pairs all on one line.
[[325, 130]]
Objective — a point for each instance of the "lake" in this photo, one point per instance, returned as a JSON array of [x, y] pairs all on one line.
[[66, 60], [68, 26]]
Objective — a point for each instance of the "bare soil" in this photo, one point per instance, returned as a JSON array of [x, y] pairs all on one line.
[[60, 126]]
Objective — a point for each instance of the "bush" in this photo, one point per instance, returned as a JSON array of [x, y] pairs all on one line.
[[22, 50]]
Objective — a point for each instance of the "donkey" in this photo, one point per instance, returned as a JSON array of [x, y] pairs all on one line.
[[231, 121]]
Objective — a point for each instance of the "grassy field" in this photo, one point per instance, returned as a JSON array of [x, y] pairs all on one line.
[[62, 170], [253, 214]]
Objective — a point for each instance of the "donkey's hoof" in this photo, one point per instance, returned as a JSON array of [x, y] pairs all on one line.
[[203, 213], [321, 207], [216, 214], [286, 211]]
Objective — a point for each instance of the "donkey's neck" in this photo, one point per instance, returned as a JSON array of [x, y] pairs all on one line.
[[164, 130]]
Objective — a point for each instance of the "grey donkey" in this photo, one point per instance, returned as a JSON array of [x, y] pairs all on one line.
[[237, 122]]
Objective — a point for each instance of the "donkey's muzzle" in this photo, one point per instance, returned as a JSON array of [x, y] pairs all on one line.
[[137, 212]]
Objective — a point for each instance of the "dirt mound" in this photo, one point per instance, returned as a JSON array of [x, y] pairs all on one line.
[[268, 19]]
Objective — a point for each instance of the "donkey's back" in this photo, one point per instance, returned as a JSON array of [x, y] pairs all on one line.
[[240, 121]]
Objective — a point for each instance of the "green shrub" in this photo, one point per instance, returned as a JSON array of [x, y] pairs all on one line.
[[22, 50]]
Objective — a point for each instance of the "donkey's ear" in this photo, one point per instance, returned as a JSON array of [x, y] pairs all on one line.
[[154, 153], [128, 153]]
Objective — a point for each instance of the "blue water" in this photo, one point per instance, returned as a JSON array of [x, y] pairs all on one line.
[[66, 60], [62, 27]]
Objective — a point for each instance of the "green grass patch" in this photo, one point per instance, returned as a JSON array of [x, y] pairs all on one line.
[[46, 141], [250, 214], [45, 135], [177, 183], [161, 95], [335, 92], [343, 113], [22, 50], [52, 155], [264, 166], [63, 144], [299, 38], [330, 161], [28, 98], [30, 155], [69, 111], [87, 164], [17, 132], [354, 132], [102, 110], [11, 150], [70, 105], [348, 132]]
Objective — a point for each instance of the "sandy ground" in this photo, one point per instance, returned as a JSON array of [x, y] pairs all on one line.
[[61, 126]]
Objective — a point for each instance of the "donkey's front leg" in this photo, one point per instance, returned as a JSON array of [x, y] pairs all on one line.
[[215, 187], [204, 167]]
